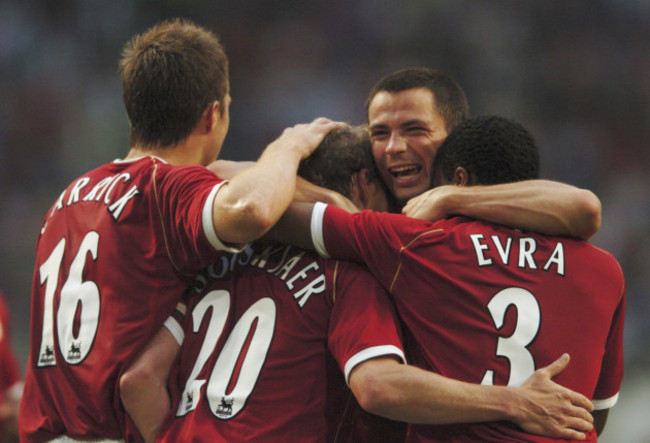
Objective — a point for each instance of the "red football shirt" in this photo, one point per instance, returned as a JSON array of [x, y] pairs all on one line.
[[487, 304], [10, 380], [114, 255], [253, 365]]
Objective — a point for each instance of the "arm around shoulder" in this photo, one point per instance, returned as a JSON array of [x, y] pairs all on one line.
[[543, 206]]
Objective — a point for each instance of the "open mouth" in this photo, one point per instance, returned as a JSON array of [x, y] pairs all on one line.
[[405, 172]]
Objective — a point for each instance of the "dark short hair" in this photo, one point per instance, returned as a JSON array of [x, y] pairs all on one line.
[[342, 153], [449, 97], [170, 74], [493, 149]]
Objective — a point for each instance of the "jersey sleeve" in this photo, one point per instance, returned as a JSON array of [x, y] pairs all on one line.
[[185, 197], [611, 374], [373, 238], [363, 323], [174, 322]]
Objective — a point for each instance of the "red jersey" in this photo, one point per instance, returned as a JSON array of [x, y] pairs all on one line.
[[253, 365], [10, 379], [114, 255], [488, 304]]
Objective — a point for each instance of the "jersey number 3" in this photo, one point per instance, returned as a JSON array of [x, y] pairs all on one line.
[[76, 294], [515, 347]]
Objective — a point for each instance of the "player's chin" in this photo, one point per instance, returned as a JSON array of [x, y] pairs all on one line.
[[405, 193]]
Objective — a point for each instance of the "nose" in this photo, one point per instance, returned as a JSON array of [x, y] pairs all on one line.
[[396, 144]]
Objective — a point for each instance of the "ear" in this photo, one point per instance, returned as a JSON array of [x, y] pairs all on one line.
[[461, 177], [211, 116]]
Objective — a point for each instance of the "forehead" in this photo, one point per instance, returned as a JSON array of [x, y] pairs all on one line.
[[396, 108]]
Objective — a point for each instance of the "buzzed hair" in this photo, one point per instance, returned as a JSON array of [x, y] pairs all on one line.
[[449, 97], [342, 153], [491, 148], [170, 74]]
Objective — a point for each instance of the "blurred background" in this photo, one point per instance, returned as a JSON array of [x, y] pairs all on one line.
[[576, 73]]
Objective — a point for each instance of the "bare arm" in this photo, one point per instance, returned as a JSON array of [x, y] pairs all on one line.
[[543, 206], [600, 420], [401, 392], [143, 387], [305, 190], [255, 198]]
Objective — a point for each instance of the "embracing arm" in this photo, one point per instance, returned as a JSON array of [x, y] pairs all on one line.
[[406, 393], [543, 206], [255, 198], [143, 387], [305, 190]]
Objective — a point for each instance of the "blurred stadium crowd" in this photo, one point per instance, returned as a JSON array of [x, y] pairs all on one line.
[[577, 74]]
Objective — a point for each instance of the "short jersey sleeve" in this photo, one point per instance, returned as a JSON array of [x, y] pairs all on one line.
[[363, 323]]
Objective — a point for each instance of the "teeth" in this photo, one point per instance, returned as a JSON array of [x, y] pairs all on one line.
[[405, 171]]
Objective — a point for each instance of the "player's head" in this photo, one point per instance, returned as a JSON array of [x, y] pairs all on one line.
[[410, 112], [487, 150], [343, 163], [171, 75]]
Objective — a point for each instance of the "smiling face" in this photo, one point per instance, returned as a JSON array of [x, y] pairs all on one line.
[[406, 130]]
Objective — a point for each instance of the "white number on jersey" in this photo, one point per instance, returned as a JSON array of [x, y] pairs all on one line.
[[75, 294], [223, 404], [515, 347]]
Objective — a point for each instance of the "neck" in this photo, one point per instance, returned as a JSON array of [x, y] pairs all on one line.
[[188, 152]]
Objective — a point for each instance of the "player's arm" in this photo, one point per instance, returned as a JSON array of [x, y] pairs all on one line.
[[305, 190], [143, 387], [254, 199], [600, 420], [406, 393], [543, 206]]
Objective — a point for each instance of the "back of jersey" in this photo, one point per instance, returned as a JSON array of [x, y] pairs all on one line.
[[253, 365], [103, 283], [484, 303], [487, 304]]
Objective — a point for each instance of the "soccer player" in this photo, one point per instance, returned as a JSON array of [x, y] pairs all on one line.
[[410, 112], [11, 384], [256, 334], [123, 241], [484, 303]]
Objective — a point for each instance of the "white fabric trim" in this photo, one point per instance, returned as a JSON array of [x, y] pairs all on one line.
[[208, 225], [368, 353], [15, 392], [605, 403], [132, 160], [175, 329], [66, 439], [316, 227]]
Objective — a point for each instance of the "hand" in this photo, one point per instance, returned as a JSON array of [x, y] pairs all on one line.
[[553, 410], [306, 137], [430, 205]]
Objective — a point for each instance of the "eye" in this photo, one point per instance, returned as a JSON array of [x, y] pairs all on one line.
[[416, 130], [378, 133]]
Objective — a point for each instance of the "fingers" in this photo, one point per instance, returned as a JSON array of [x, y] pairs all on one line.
[[557, 366], [576, 427]]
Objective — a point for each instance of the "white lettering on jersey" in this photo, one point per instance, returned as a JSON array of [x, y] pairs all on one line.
[[117, 207], [103, 187], [487, 251], [479, 248], [557, 257], [527, 247], [285, 269]]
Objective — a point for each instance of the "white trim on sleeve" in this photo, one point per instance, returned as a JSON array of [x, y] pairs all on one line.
[[175, 329], [316, 226], [208, 225], [368, 353], [605, 403]]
